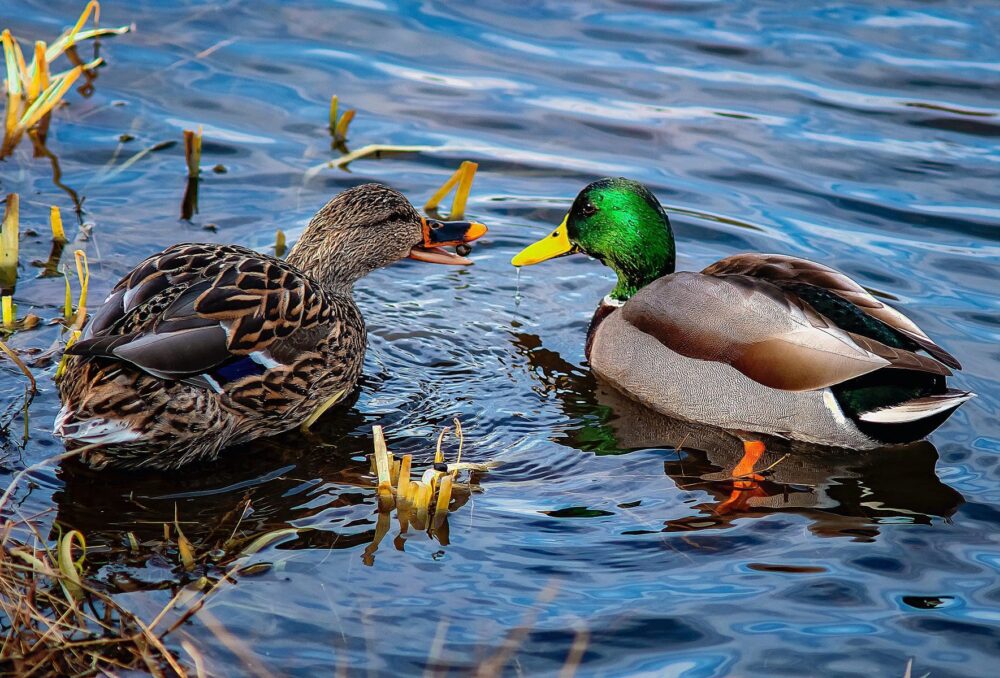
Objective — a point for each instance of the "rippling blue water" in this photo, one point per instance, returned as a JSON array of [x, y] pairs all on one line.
[[861, 135]]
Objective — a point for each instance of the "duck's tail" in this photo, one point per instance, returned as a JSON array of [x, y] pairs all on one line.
[[918, 408], [93, 430]]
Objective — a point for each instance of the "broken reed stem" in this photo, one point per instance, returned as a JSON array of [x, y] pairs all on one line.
[[192, 152], [9, 311], [56, 222], [462, 179]]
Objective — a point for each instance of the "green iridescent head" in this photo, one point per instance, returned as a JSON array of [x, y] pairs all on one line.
[[618, 222]]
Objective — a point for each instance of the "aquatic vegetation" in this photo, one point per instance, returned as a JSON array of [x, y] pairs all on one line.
[[339, 123], [192, 159], [60, 623], [423, 504], [32, 91], [9, 238], [461, 181]]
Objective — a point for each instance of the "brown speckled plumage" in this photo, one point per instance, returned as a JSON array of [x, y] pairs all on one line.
[[202, 345]]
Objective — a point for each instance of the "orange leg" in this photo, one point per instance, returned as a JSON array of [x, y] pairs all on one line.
[[745, 481]]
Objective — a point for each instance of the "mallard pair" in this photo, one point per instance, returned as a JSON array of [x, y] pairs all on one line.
[[204, 346], [762, 343]]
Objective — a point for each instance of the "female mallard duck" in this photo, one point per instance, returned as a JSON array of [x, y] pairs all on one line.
[[202, 346], [755, 342]]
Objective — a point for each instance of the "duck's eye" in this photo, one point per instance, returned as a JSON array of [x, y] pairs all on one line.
[[589, 210]]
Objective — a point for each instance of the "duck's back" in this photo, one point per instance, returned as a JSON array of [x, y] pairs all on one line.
[[211, 340]]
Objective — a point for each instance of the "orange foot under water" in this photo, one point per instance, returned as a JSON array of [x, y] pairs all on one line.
[[746, 483]]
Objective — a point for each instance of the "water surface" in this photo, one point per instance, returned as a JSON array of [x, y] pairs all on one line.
[[864, 137]]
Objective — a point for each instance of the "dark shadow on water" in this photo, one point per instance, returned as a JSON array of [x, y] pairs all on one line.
[[271, 484], [843, 493]]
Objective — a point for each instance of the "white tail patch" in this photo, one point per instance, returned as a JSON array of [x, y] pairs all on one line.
[[918, 408], [93, 431]]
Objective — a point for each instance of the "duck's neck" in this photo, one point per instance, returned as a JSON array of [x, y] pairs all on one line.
[[638, 266], [331, 265]]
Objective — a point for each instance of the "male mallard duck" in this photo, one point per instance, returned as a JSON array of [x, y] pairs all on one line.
[[755, 342], [202, 346]]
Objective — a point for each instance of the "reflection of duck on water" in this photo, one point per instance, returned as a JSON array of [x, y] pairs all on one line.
[[842, 493]]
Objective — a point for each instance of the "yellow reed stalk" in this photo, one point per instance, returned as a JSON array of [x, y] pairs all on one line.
[[68, 302], [192, 152], [279, 244], [9, 312], [440, 194], [9, 244], [72, 37], [462, 178], [339, 123], [14, 94], [10, 52], [421, 504], [60, 45], [468, 170], [371, 150], [61, 368], [56, 222], [323, 407], [383, 464], [47, 101], [83, 273], [443, 500], [39, 81], [340, 132], [403, 481], [461, 439], [438, 452]]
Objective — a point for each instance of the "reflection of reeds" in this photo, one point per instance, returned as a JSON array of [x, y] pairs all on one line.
[[31, 90]]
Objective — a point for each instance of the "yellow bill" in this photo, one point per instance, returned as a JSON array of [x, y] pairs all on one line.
[[556, 244]]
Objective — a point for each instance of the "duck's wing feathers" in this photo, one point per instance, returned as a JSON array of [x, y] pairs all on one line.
[[768, 334], [784, 271], [195, 306]]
